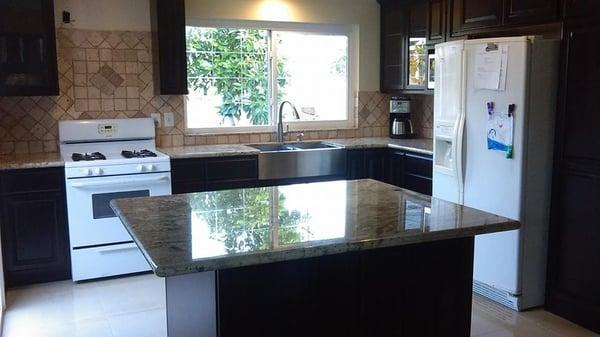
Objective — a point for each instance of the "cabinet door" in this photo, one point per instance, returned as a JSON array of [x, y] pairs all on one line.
[[416, 53], [34, 238], [355, 164], [436, 21], [170, 59], [393, 47], [376, 164], [417, 172], [396, 168], [27, 48], [469, 15], [573, 273], [581, 122], [187, 175], [530, 11], [581, 8], [229, 173]]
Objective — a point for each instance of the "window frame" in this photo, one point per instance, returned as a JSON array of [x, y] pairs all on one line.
[[350, 31]]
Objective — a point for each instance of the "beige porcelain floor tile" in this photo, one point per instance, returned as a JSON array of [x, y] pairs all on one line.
[[87, 328], [135, 307], [151, 323], [132, 294]]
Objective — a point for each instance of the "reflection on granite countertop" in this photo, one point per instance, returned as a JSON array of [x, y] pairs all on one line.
[[420, 145], [202, 151], [196, 232], [25, 161]]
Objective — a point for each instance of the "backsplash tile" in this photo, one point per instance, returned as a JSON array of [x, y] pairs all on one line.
[[108, 74]]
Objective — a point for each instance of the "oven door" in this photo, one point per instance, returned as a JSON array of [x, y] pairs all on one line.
[[91, 220]]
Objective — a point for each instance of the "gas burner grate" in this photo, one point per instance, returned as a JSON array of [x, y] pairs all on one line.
[[88, 156], [138, 154]]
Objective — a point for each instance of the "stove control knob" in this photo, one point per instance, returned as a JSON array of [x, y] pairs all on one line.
[[98, 171], [141, 168], [151, 167], [86, 172]]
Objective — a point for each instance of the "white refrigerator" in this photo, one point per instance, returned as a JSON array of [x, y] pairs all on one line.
[[476, 80]]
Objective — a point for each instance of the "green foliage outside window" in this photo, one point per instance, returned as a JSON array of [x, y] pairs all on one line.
[[235, 63]]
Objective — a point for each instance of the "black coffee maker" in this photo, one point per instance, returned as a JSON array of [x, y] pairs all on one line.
[[400, 123]]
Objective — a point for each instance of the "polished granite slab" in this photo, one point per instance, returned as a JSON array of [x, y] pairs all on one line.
[[207, 151], [195, 232], [420, 145], [26, 161]]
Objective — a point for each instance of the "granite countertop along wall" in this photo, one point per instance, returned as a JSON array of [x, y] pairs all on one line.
[[420, 145], [53, 159], [197, 232], [26, 161]]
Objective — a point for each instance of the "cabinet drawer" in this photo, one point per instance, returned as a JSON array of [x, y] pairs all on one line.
[[187, 169], [418, 184], [232, 169], [32, 180], [89, 263], [416, 164]]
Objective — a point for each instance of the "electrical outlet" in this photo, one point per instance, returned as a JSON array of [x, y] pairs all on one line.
[[169, 119], [157, 119]]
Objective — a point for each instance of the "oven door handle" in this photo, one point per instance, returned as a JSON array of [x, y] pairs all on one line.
[[130, 181]]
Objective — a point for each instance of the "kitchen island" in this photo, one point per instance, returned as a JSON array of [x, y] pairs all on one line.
[[341, 258]]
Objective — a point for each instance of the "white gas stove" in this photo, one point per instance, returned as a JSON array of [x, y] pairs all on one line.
[[105, 160]]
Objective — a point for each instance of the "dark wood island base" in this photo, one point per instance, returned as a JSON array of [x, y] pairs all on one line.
[[416, 290]]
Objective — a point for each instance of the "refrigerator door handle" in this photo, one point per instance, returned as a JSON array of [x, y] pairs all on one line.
[[459, 132]]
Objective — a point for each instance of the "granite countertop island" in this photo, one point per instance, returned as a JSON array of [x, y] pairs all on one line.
[[309, 257], [189, 233]]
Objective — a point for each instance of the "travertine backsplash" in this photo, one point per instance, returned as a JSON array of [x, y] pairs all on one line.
[[108, 74]]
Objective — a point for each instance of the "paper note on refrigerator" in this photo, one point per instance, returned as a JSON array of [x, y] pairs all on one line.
[[490, 67]]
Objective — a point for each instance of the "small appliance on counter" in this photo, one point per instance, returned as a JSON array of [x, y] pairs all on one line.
[[400, 124]]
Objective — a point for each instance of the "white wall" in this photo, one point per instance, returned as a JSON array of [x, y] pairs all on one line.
[[363, 13], [135, 15], [105, 14]]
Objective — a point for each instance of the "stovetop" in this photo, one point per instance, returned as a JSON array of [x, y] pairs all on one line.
[[88, 156], [138, 154]]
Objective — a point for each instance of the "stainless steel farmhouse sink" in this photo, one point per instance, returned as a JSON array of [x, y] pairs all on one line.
[[300, 160]]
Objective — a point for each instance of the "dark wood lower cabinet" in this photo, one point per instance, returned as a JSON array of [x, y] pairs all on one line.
[[35, 244], [210, 174], [390, 292], [402, 168]]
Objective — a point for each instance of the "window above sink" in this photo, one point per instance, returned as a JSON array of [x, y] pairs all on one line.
[[239, 73]]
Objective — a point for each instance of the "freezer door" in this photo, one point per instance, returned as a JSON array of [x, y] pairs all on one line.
[[492, 182], [448, 121]]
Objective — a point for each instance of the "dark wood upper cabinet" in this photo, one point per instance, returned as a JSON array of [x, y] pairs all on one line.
[[530, 11], [27, 48], [403, 40], [581, 122], [168, 34], [416, 67], [469, 15], [35, 242], [393, 46], [436, 21], [581, 8]]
